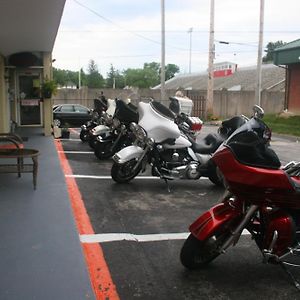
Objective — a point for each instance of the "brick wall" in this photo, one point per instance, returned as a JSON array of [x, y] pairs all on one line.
[[294, 89]]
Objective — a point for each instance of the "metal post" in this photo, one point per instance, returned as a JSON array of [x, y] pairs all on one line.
[[211, 53], [259, 55], [162, 72], [79, 78]]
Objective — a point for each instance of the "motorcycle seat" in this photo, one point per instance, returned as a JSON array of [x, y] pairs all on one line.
[[209, 144], [296, 183], [292, 171]]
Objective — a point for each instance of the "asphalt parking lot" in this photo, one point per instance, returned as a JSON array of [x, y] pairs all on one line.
[[141, 227]]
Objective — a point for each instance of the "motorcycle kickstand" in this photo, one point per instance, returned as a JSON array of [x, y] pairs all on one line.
[[292, 277], [168, 186]]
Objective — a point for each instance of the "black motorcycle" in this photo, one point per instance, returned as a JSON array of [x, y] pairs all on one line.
[[119, 135], [100, 105]]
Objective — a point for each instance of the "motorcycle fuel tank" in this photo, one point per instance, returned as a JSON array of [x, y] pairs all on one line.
[[100, 129], [180, 142]]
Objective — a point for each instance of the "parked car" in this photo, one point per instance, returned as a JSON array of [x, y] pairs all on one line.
[[71, 115]]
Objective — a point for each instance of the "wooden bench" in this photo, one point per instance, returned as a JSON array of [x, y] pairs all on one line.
[[10, 140], [18, 153]]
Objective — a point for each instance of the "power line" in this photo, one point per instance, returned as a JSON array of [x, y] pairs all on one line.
[[236, 43], [115, 24], [184, 31], [123, 28]]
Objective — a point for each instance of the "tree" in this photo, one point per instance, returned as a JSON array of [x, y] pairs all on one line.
[[65, 77], [270, 48], [115, 79], [171, 70], [135, 78], [94, 78], [149, 76]]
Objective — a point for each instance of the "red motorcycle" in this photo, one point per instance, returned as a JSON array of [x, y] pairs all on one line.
[[261, 197]]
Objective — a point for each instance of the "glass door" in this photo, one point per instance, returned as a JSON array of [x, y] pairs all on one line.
[[30, 112]]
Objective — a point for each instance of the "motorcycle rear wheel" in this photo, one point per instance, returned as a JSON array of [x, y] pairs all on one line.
[[196, 254], [123, 173], [103, 150]]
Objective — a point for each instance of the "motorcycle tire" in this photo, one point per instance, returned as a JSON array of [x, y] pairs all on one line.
[[92, 142], [196, 254], [103, 150], [123, 173], [84, 135], [215, 176]]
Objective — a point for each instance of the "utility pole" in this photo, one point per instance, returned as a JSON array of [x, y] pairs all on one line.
[[162, 72], [79, 78], [190, 60], [259, 54], [211, 54]]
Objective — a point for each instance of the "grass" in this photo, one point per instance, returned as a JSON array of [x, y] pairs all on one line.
[[283, 125]]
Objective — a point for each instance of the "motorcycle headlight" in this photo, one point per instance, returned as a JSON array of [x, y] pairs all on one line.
[[150, 142], [95, 115], [138, 131], [107, 119], [133, 126], [116, 123]]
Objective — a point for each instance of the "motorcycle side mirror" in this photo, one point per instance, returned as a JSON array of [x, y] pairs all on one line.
[[258, 112]]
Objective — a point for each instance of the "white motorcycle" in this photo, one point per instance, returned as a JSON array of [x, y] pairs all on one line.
[[172, 155], [105, 123]]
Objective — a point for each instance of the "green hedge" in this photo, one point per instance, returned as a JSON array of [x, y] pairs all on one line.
[[290, 125]]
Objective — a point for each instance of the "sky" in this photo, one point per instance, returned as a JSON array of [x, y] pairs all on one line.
[[127, 33]]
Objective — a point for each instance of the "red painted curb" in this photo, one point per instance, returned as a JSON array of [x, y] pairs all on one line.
[[100, 277]]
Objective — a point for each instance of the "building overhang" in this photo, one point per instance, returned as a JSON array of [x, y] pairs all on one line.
[[287, 54], [29, 25], [287, 57]]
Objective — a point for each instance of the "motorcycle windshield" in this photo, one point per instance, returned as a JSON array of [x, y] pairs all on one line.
[[111, 107], [230, 125], [250, 146], [100, 105], [158, 121], [126, 113]]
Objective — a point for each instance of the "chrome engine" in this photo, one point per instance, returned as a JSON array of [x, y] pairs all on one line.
[[179, 165]]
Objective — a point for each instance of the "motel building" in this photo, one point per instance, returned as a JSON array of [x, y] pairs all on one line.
[[27, 34]]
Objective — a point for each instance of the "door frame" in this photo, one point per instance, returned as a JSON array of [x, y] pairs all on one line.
[[18, 98]]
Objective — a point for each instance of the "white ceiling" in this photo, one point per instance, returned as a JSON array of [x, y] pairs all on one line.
[[29, 25]]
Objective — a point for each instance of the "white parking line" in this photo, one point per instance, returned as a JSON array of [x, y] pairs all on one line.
[[113, 237], [76, 152], [72, 140], [109, 177]]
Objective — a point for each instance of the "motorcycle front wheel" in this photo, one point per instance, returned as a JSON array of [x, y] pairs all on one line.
[[123, 173], [92, 142], [103, 150], [84, 135], [196, 254], [215, 175]]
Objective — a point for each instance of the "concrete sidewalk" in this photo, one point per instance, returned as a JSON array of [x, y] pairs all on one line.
[[40, 252]]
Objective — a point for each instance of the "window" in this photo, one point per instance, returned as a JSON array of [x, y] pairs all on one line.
[[67, 108], [80, 109]]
